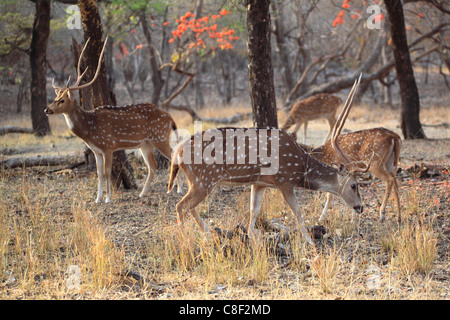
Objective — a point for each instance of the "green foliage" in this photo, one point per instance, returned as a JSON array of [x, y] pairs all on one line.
[[16, 28], [156, 7], [58, 24]]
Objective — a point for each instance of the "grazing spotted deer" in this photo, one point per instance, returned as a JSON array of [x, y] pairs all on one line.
[[110, 128], [294, 167], [379, 148], [319, 106]]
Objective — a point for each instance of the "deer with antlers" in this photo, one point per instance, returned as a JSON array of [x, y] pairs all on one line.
[[378, 148], [290, 166], [107, 129], [319, 106]]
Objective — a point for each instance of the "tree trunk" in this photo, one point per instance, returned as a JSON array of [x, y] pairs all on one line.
[[282, 48], [260, 70], [99, 93], [410, 103], [38, 49], [386, 89], [158, 82]]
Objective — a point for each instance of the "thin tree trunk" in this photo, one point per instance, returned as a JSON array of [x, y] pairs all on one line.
[[410, 103], [38, 49], [158, 81], [282, 48], [98, 94], [260, 70], [199, 100]]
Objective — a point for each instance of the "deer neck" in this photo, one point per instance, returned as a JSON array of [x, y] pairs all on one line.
[[79, 121], [318, 152], [321, 177]]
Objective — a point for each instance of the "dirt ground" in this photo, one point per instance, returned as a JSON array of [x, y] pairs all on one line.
[[134, 224]]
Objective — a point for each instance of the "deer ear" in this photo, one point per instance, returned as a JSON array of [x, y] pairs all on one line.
[[70, 95]]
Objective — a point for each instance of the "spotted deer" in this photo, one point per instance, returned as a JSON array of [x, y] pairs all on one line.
[[294, 167], [107, 129], [379, 148], [319, 106]]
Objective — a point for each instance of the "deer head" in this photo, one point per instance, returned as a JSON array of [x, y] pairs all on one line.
[[348, 187], [65, 99]]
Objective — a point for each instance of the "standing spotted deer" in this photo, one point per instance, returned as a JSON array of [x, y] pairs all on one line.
[[378, 148], [233, 165], [110, 128], [319, 106]]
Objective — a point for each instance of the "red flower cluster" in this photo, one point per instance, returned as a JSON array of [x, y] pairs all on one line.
[[200, 26], [378, 17], [355, 14], [339, 19]]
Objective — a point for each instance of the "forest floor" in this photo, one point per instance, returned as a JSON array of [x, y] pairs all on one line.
[[57, 243]]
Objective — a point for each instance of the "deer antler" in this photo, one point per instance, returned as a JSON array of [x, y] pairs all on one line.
[[79, 77], [79, 63], [68, 81], [338, 128], [77, 85], [54, 86]]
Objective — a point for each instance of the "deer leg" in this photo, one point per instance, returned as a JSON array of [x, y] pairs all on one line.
[[166, 151], [149, 158], [179, 184], [255, 206], [108, 164], [296, 128], [188, 203], [324, 211], [100, 170], [291, 199], [397, 198], [385, 199], [387, 174]]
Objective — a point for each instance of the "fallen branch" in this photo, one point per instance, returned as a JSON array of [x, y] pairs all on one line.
[[443, 124], [69, 167], [10, 151], [11, 129], [41, 161]]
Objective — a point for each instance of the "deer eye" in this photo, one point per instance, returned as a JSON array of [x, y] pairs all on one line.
[[60, 101]]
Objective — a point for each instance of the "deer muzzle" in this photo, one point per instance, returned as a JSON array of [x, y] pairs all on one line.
[[48, 111]]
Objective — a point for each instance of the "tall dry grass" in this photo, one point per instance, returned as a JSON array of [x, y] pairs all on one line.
[[39, 247], [49, 250], [413, 247]]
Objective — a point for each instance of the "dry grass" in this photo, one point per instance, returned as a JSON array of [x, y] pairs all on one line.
[[56, 243], [39, 244], [414, 247]]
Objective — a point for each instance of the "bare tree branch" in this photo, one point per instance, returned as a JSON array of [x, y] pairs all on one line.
[[437, 4], [347, 81]]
